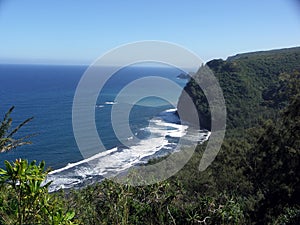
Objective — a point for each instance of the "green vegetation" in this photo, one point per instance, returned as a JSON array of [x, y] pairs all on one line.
[[249, 83], [7, 142], [163, 203], [253, 180], [24, 199], [259, 159]]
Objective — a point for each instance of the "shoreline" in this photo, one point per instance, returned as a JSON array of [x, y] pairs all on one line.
[[119, 159]]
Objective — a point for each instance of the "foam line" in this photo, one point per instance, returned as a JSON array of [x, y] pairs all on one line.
[[117, 159], [70, 165]]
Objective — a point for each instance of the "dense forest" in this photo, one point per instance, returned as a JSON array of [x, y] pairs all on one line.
[[253, 180], [252, 85]]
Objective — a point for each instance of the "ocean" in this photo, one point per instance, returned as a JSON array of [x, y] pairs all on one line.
[[46, 93]]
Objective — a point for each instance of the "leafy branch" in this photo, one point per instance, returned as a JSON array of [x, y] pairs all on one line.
[[7, 140]]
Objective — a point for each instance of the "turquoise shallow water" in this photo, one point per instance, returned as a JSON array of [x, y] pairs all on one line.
[[47, 92]]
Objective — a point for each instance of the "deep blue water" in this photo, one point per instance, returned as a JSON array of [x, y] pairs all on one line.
[[47, 92]]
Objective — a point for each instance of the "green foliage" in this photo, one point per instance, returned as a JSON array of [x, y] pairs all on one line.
[[251, 85], [259, 159], [289, 215], [162, 203], [114, 203], [7, 141], [276, 159], [253, 180], [24, 196]]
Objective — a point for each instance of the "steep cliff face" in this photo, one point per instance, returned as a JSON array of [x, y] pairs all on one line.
[[248, 82], [185, 107]]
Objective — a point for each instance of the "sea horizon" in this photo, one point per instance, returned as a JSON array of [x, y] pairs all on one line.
[[46, 92]]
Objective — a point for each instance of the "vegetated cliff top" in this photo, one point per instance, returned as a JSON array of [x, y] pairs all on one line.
[[250, 82], [264, 53]]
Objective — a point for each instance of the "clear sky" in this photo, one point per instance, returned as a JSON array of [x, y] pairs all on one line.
[[79, 31]]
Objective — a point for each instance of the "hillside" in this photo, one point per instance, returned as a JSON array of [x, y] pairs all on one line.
[[253, 180], [249, 83]]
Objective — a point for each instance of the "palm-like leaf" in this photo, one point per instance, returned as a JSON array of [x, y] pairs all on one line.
[[7, 141]]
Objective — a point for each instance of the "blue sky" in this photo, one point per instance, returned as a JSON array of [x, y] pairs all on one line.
[[79, 31]]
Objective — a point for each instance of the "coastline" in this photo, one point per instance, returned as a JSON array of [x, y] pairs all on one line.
[[166, 129]]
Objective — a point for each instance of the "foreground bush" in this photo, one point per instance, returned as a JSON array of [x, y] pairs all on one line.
[[162, 203], [24, 197]]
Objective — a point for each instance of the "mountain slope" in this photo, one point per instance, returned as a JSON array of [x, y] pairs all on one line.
[[249, 83]]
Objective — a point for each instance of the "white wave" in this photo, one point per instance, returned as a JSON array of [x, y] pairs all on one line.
[[170, 116], [71, 165], [110, 103], [115, 160], [198, 136], [171, 130], [108, 162], [171, 110], [63, 183], [99, 106]]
